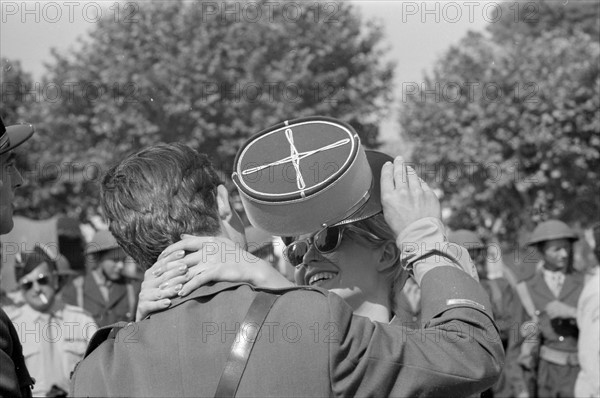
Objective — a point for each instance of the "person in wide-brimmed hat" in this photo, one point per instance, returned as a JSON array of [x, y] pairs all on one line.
[[108, 290], [10, 138], [14, 377]]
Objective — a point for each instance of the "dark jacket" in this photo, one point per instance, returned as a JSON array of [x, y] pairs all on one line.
[[311, 345], [559, 334], [15, 380], [119, 306]]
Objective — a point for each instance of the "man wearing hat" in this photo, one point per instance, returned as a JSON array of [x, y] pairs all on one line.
[[247, 331], [14, 378], [105, 292], [509, 314], [553, 292], [54, 334]]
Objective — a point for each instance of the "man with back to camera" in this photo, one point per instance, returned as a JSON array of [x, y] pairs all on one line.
[[165, 354], [15, 380]]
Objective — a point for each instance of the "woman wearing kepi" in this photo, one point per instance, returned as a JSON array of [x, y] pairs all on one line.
[[349, 249], [334, 258]]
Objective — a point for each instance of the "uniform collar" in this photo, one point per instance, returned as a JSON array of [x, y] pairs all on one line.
[[213, 289], [56, 311], [207, 290]]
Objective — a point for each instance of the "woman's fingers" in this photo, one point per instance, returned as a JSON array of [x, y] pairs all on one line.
[[171, 270], [400, 174], [188, 244], [161, 265], [151, 300], [196, 281]]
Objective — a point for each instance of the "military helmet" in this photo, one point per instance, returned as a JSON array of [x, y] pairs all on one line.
[[467, 239], [549, 230]]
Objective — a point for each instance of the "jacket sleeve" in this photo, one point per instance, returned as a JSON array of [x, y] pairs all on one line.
[[457, 353]]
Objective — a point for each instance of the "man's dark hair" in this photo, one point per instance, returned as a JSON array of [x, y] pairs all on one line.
[[157, 194]]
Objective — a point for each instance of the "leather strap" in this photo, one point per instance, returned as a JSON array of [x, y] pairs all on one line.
[[559, 357], [243, 344]]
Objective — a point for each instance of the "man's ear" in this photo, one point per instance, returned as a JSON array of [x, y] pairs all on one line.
[[223, 203], [388, 256]]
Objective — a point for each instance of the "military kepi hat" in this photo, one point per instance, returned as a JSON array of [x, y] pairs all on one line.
[[303, 175], [13, 136]]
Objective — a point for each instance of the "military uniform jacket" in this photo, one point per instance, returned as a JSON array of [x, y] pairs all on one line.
[[541, 295], [117, 308], [66, 328], [311, 345]]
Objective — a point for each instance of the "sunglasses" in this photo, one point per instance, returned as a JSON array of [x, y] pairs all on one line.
[[41, 280], [325, 241]]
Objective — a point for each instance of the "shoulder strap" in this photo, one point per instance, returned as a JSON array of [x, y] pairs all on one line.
[[526, 299], [243, 343]]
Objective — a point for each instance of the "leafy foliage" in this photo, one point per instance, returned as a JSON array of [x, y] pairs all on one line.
[[210, 77], [513, 135]]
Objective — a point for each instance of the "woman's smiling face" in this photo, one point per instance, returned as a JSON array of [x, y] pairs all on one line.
[[350, 271]]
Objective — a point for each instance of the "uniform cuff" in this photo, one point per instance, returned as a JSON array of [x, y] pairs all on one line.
[[424, 246]]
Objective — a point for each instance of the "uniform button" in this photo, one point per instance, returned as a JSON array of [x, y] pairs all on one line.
[[414, 318], [538, 312], [561, 338]]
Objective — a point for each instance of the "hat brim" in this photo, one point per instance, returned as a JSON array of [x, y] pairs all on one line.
[[373, 205], [17, 135], [551, 237]]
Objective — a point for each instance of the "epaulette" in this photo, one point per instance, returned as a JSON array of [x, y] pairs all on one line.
[[103, 334]]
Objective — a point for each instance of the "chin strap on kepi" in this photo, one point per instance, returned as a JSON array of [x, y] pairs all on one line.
[[243, 344]]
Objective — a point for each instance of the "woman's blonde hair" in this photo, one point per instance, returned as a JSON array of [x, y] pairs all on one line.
[[379, 227]]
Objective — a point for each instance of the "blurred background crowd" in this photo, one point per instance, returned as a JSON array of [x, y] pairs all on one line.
[[505, 127]]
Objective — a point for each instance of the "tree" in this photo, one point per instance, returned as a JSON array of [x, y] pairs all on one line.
[[512, 135], [209, 74], [13, 82], [532, 18]]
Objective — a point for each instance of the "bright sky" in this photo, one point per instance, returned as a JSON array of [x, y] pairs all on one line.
[[418, 32]]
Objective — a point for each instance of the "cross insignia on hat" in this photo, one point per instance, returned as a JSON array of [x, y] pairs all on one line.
[[295, 158]]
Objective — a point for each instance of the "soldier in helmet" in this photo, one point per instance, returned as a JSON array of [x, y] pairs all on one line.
[[106, 291], [551, 295], [508, 312]]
